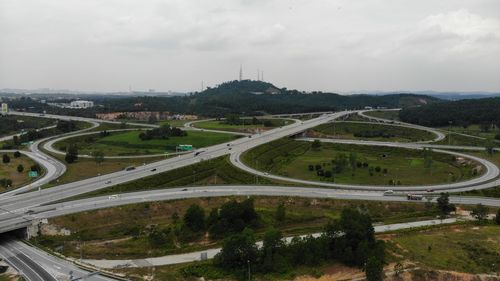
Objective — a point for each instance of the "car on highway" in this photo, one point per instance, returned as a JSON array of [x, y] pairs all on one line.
[[184, 189], [389, 192], [107, 182], [131, 168], [112, 197], [430, 190], [153, 170], [198, 153]]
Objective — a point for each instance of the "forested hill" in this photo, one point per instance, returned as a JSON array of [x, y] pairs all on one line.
[[242, 97], [230, 99], [462, 112]]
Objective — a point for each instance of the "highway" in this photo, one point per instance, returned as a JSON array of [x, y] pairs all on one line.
[[20, 210]]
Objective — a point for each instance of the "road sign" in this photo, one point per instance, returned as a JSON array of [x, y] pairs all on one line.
[[185, 147], [33, 174]]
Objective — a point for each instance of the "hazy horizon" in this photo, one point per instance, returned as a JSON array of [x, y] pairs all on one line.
[[333, 46]]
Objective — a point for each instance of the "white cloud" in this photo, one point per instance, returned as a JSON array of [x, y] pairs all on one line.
[[322, 44]]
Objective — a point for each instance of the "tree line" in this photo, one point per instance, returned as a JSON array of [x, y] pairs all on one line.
[[164, 132], [484, 112]]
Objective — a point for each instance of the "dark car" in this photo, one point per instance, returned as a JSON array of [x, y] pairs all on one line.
[[153, 170], [130, 168]]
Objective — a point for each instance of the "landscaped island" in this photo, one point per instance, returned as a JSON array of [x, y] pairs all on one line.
[[359, 164]]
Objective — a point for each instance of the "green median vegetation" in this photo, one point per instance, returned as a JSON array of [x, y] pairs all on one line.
[[359, 164], [234, 123], [217, 171], [372, 131]]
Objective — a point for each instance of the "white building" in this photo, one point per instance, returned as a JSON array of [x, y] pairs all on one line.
[[81, 104], [5, 109]]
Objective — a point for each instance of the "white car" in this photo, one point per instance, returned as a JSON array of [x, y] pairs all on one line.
[[389, 192]]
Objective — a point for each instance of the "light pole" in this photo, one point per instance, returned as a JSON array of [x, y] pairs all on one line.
[[248, 262], [449, 134]]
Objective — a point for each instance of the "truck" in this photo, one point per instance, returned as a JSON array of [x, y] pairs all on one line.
[[410, 196]]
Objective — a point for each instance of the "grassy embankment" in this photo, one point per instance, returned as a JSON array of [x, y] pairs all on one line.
[[373, 132], [404, 166], [490, 192], [385, 114], [120, 232], [12, 124], [129, 143]]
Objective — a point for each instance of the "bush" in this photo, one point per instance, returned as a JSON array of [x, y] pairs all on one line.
[[20, 168], [311, 167], [5, 159], [194, 218], [328, 174], [17, 154], [377, 169]]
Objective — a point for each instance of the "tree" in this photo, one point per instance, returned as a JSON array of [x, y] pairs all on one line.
[[280, 213], [16, 140], [497, 218], [427, 158], [20, 168], [71, 154], [490, 147], [5, 159], [374, 269], [98, 156], [194, 218], [443, 204], [328, 174], [273, 256], [352, 160], [17, 154], [311, 167], [316, 144], [237, 251], [480, 212]]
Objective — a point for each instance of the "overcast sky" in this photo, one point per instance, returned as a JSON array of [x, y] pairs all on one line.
[[330, 45]]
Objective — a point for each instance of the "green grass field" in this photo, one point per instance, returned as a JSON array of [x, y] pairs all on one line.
[[221, 125], [386, 114], [404, 166], [465, 248], [374, 132], [473, 130], [129, 143], [454, 139]]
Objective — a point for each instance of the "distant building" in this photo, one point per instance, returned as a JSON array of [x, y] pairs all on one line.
[[81, 104], [368, 107], [5, 109]]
